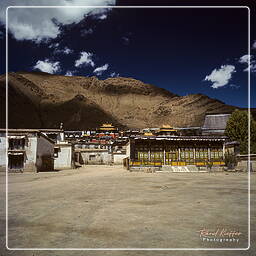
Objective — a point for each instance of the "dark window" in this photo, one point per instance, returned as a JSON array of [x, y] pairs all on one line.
[[16, 161], [92, 157], [16, 143], [56, 152]]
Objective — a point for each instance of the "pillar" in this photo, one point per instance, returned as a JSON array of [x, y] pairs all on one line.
[[223, 151]]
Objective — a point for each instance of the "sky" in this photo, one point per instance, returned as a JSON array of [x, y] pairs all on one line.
[[184, 50]]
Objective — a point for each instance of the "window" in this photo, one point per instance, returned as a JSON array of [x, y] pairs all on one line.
[[92, 157], [56, 152], [216, 153], [16, 143], [16, 161], [142, 155], [202, 153]]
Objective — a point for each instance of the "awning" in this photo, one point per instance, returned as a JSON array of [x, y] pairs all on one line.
[[15, 153], [16, 137]]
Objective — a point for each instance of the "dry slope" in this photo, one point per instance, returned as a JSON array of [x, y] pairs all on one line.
[[41, 100]]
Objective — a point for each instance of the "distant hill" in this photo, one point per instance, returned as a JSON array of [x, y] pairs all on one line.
[[42, 100]]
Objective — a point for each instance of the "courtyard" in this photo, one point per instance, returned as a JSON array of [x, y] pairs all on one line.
[[110, 207]]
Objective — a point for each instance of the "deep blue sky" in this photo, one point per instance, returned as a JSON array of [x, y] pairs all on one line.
[[170, 48]]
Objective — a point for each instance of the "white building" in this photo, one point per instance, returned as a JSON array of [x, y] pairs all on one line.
[[26, 150], [63, 150], [63, 156]]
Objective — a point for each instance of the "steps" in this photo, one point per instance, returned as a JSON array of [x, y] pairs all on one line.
[[188, 168]]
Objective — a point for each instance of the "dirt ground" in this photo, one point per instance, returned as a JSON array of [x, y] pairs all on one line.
[[109, 207]]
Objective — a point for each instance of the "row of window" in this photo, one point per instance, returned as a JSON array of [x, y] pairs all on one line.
[[91, 146], [185, 154], [16, 144]]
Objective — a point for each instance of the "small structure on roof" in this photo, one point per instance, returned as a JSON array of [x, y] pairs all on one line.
[[107, 127], [166, 129]]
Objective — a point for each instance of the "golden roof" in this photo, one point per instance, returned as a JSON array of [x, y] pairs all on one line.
[[167, 128], [148, 134], [107, 127]]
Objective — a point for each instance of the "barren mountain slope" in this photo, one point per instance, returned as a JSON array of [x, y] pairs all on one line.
[[41, 100]]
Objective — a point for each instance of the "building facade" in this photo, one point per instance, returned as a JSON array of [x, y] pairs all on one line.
[[177, 150], [63, 156], [26, 150]]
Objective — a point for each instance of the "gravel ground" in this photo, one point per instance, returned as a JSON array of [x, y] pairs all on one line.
[[109, 207]]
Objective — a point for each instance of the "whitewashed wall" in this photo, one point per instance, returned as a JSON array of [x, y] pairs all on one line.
[[3, 150], [128, 149], [64, 159], [118, 158], [30, 155], [101, 157]]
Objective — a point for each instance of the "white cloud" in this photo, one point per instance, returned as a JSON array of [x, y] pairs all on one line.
[[234, 86], [103, 17], [57, 50], [254, 45], [85, 59], [38, 24], [220, 77], [86, 32], [114, 74], [67, 50], [54, 45], [69, 73], [100, 70], [252, 68], [47, 66], [125, 40], [245, 60]]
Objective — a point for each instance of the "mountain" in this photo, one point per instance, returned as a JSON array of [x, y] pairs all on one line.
[[42, 100]]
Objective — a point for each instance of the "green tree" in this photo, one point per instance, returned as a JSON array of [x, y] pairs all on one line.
[[237, 130]]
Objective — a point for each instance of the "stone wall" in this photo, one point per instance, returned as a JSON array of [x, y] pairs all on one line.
[[95, 157]]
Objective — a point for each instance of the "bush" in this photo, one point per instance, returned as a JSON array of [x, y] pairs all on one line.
[[237, 130], [230, 161]]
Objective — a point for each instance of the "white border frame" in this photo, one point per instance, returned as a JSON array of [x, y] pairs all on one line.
[[132, 249]]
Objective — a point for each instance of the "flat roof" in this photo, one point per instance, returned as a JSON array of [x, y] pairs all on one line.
[[20, 130], [178, 138], [24, 131]]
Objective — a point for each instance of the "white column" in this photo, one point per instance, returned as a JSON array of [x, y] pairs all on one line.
[[61, 136]]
